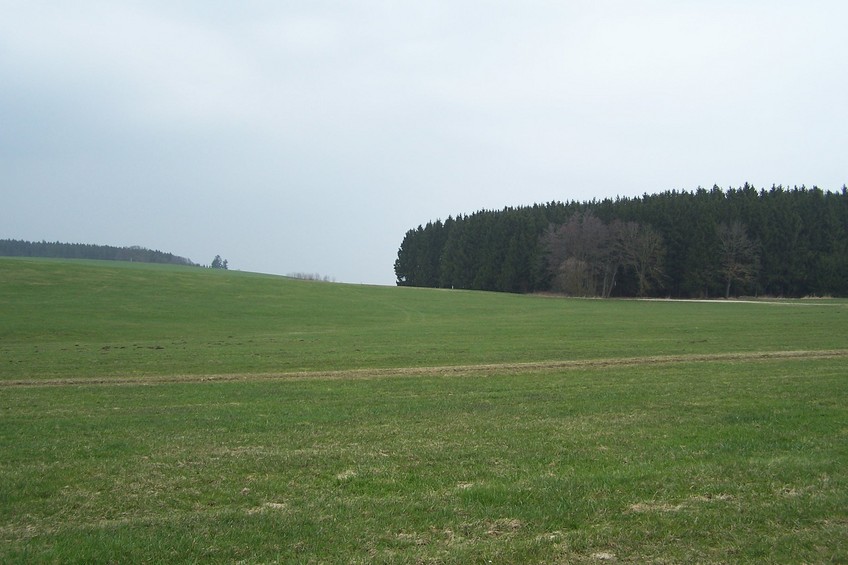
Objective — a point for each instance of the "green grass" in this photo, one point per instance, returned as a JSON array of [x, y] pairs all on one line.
[[683, 453], [83, 320]]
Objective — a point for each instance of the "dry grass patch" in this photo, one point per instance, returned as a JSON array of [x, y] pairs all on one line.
[[690, 503]]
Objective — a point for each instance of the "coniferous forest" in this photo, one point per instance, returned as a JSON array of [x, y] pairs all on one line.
[[681, 244], [20, 248]]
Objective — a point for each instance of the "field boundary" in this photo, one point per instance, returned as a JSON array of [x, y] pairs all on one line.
[[446, 370]]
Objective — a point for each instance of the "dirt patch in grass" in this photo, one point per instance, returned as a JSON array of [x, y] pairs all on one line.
[[448, 370], [268, 507], [503, 526]]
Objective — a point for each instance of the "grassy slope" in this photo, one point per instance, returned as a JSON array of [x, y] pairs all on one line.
[[732, 460], [80, 319]]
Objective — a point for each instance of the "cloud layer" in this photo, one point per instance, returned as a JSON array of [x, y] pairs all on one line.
[[309, 137]]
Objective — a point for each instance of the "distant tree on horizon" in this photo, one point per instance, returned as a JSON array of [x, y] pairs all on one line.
[[311, 277]]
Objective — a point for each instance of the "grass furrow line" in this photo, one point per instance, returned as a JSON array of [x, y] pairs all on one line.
[[446, 370]]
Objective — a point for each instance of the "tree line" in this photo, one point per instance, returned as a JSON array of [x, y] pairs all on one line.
[[683, 244], [19, 248]]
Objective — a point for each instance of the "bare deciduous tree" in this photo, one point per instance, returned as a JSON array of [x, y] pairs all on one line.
[[577, 255], [642, 248], [739, 254], [585, 255]]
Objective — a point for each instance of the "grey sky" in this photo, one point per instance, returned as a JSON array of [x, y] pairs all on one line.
[[309, 136]]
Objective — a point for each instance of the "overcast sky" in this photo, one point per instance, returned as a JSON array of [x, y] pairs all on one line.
[[310, 136]]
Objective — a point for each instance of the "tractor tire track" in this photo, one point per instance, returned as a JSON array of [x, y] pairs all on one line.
[[447, 370]]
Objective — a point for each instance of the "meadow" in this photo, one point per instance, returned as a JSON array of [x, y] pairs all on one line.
[[174, 414]]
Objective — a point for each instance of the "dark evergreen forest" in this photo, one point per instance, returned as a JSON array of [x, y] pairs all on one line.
[[18, 248], [682, 244]]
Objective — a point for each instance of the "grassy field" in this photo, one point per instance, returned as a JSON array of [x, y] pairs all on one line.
[[162, 414]]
